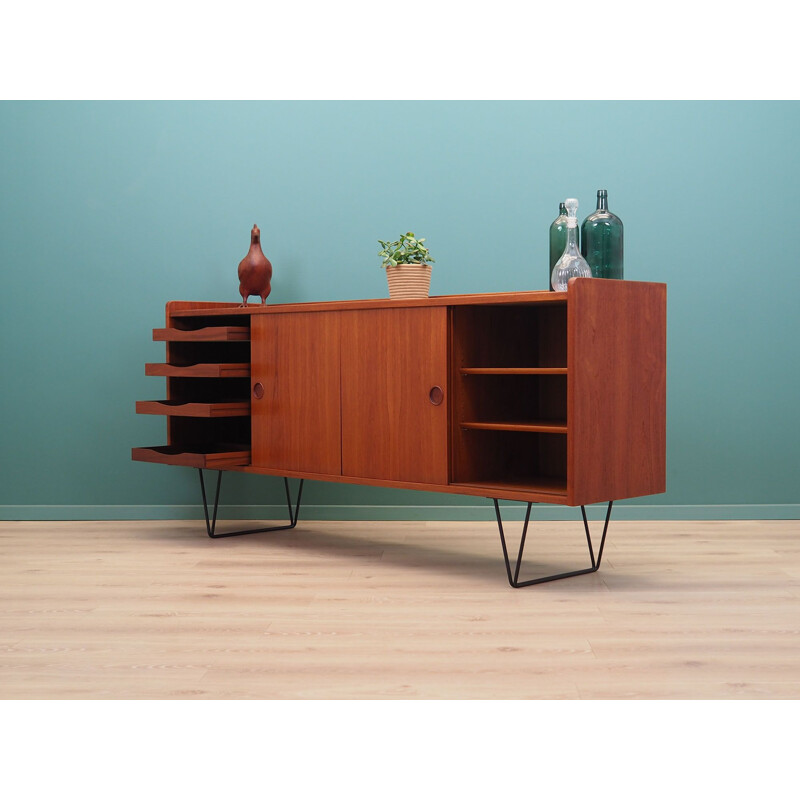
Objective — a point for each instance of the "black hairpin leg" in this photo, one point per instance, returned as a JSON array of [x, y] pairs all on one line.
[[514, 579], [212, 523]]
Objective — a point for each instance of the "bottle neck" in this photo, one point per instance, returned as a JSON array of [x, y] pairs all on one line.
[[572, 235], [602, 202]]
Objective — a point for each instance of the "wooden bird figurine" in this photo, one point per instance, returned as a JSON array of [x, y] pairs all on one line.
[[255, 270]]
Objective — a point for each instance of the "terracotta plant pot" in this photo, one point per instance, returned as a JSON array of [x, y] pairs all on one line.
[[409, 281]]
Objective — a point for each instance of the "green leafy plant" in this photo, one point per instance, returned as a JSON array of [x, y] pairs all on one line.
[[406, 250]]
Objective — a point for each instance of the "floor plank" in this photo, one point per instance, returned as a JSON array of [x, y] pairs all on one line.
[[346, 610]]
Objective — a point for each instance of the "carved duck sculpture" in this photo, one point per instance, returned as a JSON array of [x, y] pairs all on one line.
[[255, 270]]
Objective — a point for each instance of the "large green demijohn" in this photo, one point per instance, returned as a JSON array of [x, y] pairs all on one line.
[[601, 240]]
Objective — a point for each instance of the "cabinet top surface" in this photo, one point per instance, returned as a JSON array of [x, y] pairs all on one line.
[[180, 308]]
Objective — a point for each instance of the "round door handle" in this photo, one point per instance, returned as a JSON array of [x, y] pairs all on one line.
[[436, 395], [258, 391]]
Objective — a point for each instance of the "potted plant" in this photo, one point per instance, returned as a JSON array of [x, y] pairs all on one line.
[[407, 262]]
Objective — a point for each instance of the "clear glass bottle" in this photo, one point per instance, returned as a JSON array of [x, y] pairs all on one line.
[[558, 240], [601, 240], [571, 264]]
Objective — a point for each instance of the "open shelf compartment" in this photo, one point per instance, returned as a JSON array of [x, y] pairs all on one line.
[[207, 373], [512, 460], [509, 398], [530, 338]]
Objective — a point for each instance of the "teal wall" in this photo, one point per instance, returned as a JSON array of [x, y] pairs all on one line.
[[109, 209]]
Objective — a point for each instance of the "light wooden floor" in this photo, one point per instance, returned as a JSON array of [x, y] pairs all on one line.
[[397, 610]]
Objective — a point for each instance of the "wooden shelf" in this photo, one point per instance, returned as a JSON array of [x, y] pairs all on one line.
[[513, 370], [540, 485], [521, 427], [225, 333], [199, 456], [182, 408], [235, 370]]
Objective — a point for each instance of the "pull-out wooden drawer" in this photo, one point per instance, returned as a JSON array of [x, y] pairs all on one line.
[[234, 370], [200, 456], [187, 408], [226, 333]]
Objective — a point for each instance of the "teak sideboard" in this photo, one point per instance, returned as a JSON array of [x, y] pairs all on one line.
[[540, 397]]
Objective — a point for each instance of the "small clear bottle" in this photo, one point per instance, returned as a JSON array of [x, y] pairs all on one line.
[[571, 264], [558, 240]]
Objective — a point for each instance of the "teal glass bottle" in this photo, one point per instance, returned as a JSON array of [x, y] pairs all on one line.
[[558, 240], [601, 240]]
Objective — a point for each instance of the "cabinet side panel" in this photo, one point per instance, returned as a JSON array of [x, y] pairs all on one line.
[[297, 421], [616, 390], [391, 360]]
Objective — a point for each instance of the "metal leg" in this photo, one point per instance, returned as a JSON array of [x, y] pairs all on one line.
[[211, 524], [514, 579]]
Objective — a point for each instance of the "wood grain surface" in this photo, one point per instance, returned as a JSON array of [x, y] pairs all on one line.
[[391, 359], [191, 309], [617, 395], [297, 423], [394, 610]]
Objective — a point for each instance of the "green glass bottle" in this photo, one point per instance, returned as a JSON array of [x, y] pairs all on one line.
[[558, 239], [601, 240]]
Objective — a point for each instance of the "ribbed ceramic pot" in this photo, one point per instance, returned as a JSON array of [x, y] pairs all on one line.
[[409, 281]]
